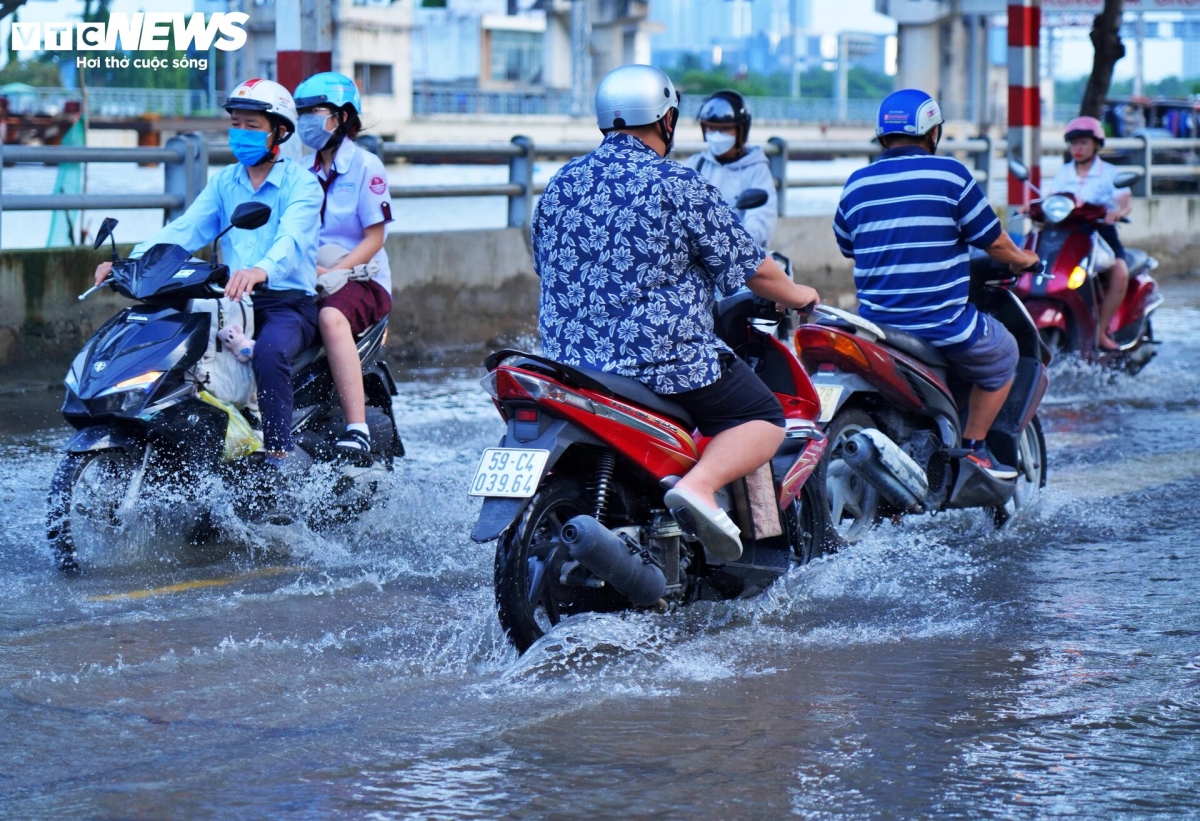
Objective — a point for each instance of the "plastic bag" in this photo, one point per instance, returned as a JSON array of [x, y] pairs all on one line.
[[240, 439]]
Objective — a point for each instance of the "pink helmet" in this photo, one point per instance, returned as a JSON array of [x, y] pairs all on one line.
[[1085, 127]]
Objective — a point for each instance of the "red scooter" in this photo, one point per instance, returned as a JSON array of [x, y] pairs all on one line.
[[574, 491], [893, 412], [1064, 299]]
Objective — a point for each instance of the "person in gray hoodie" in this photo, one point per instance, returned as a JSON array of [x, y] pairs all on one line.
[[732, 166]]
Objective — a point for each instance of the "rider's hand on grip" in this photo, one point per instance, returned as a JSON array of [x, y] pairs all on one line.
[[807, 298], [1030, 263], [241, 282], [102, 272]]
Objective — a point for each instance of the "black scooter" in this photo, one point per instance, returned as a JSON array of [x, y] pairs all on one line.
[[143, 422]]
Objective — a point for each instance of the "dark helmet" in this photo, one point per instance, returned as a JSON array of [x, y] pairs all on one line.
[[726, 107]]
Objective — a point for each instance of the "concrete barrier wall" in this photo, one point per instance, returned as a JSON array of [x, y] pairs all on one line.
[[462, 288]]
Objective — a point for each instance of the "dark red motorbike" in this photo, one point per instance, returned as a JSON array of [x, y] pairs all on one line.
[[1064, 299], [893, 412], [574, 491]]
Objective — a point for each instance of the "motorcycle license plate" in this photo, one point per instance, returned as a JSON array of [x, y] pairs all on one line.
[[509, 472], [829, 396]]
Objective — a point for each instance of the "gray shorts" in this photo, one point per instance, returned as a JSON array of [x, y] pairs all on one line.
[[991, 361]]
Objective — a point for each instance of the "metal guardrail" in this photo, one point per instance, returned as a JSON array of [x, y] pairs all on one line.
[[112, 102], [185, 173], [466, 100], [186, 159]]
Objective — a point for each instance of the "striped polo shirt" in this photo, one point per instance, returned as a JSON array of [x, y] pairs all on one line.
[[906, 221]]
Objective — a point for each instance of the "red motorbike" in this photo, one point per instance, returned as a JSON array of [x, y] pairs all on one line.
[[1064, 299], [893, 413], [574, 491]]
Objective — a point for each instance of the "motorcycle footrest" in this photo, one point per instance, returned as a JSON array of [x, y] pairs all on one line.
[[974, 487]]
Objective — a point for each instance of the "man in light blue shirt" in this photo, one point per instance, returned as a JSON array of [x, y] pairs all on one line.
[[280, 256]]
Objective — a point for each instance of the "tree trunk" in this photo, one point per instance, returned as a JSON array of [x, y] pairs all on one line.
[[1106, 38]]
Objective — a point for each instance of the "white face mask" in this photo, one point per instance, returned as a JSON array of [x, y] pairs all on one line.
[[719, 143]]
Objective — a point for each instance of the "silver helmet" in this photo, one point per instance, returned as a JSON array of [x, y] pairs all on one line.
[[632, 96]]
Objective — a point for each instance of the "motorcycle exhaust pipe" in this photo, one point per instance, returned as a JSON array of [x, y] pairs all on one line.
[[622, 565], [887, 468]]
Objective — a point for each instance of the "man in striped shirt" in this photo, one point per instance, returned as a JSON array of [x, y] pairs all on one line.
[[907, 221]]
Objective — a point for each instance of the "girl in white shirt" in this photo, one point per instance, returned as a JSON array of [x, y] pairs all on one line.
[[1090, 180], [354, 216]]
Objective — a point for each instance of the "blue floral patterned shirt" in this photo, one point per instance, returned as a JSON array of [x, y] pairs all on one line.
[[629, 247]]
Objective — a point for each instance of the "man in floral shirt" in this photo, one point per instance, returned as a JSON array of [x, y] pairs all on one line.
[[629, 247]]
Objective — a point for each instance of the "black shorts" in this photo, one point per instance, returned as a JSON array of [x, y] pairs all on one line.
[[739, 396], [1109, 234]]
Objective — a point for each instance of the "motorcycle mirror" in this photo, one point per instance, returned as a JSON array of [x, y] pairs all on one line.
[[247, 216], [1018, 169], [106, 232], [1126, 179], [250, 215], [751, 198]]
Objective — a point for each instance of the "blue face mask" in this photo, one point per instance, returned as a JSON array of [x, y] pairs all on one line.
[[250, 147], [311, 128]]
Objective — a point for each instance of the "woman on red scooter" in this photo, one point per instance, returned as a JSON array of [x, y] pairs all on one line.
[[1090, 180]]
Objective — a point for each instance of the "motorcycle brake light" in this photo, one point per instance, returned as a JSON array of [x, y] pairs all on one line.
[[519, 385], [842, 346], [507, 386]]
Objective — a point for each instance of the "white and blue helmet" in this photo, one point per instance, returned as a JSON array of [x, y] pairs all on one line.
[[908, 111]]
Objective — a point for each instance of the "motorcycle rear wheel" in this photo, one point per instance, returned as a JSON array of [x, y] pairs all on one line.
[[86, 491], [530, 600], [854, 505], [807, 523], [1031, 473]]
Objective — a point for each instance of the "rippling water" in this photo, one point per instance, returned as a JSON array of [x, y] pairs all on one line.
[[939, 669]]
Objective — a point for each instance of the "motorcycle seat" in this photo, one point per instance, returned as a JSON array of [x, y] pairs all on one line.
[[914, 346], [622, 387], [308, 356], [1136, 259]]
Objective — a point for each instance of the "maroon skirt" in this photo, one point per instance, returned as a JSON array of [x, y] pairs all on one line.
[[362, 302]]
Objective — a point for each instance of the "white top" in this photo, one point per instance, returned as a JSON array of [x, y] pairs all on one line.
[[355, 199], [751, 170], [1096, 187]]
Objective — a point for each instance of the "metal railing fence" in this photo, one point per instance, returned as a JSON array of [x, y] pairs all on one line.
[[186, 159], [466, 100], [185, 173], [113, 102], [439, 100]]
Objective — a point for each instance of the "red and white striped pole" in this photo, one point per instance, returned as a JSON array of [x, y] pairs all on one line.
[[303, 39], [1024, 95]]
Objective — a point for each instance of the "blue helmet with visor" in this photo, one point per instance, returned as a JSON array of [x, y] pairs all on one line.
[[328, 88], [909, 111]]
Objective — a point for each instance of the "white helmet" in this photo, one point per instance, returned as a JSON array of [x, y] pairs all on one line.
[[632, 96], [267, 97]]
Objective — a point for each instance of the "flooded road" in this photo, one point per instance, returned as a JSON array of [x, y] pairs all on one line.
[[939, 669]]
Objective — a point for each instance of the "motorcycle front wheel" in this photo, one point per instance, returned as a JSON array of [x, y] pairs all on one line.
[[530, 597], [86, 495]]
